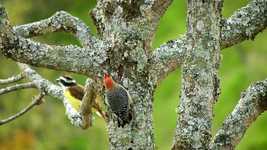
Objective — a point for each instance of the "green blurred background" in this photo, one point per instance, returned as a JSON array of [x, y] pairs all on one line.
[[47, 128]]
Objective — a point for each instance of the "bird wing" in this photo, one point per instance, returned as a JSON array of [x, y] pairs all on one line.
[[77, 92], [118, 100]]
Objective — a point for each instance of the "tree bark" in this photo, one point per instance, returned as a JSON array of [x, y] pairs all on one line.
[[200, 82], [253, 103], [128, 27], [139, 133]]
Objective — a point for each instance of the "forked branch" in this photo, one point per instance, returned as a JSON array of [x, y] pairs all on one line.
[[60, 21], [78, 119], [87, 61], [244, 24]]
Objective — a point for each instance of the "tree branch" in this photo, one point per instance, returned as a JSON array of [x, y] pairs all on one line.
[[36, 101], [16, 87], [60, 21], [200, 83], [55, 91], [52, 90], [12, 79], [41, 83], [86, 106], [253, 102], [68, 58], [244, 24], [166, 58]]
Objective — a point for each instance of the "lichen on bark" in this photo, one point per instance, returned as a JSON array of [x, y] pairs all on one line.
[[199, 73]]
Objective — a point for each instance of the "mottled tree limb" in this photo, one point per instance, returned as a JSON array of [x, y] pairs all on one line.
[[166, 58], [12, 79], [130, 16], [87, 103], [129, 27], [77, 118], [36, 101], [60, 21], [52, 90], [68, 58], [200, 83], [252, 103], [41, 83], [16, 87], [244, 24]]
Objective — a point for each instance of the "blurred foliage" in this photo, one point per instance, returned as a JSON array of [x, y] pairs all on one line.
[[46, 126]]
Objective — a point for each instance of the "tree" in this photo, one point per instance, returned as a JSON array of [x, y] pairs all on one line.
[[123, 48]]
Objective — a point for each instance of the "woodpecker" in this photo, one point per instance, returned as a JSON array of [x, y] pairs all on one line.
[[74, 93], [118, 100]]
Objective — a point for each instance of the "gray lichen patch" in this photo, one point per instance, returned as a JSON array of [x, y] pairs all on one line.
[[246, 23], [193, 129], [251, 104]]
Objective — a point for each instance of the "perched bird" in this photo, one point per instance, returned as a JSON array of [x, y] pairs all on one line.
[[74, 93], [118, 100]]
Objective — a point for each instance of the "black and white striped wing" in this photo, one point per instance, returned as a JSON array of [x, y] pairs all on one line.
[[118, 101]]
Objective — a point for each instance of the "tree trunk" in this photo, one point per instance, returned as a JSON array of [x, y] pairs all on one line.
[[200, 83], [129, 31], [139, 133]]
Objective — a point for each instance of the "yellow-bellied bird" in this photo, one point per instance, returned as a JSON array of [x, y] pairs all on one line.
[[74, 93]]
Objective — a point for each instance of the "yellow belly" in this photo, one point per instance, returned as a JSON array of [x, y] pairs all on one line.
[[74, 102]]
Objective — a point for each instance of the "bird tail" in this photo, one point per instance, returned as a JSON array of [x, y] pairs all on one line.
[[125, 120]]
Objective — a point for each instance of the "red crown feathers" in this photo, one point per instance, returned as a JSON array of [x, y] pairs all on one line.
[[108, 82]]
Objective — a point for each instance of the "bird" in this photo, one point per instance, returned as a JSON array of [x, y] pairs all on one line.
[[118, 100], [74, 93]]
